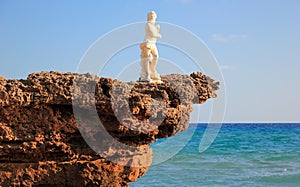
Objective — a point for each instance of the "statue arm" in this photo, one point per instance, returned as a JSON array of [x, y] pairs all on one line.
[[153, 31]]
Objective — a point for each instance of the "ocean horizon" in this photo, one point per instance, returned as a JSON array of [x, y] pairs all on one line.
[[242, 154]]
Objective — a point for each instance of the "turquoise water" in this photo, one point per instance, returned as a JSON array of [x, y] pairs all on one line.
[[241, 155]]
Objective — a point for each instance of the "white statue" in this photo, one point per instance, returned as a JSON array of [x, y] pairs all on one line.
[[149, 53]]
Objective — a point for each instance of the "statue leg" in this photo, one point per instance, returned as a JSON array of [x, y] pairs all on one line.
[[153, 73], [145, 70]]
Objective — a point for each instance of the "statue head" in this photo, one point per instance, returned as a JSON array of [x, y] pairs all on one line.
[[151, 16]]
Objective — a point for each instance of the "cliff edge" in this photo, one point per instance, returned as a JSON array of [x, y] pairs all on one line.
[[68, 129]]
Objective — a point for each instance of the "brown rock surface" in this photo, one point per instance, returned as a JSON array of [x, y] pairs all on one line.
[[67, 129]]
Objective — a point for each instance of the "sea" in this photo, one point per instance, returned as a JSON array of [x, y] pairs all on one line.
[[241, 154]]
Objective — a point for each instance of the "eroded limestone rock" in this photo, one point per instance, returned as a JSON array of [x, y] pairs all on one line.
[[42, 142]]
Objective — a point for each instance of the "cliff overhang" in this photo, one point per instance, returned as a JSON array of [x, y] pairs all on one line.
[[68, 129]]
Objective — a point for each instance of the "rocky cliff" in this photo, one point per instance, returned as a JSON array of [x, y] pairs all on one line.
[[67, 129]]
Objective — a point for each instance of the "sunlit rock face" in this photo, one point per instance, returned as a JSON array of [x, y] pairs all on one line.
[[67, 129]]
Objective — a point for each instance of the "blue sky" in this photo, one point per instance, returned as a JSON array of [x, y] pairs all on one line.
[[255, 42]]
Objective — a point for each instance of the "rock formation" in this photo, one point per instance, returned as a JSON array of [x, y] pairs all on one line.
[[68, 129]]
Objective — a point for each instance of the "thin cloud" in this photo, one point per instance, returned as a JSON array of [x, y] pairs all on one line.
[[229, 38], [228, 67], [185, 1]]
